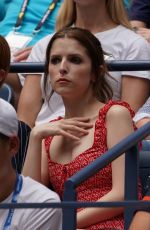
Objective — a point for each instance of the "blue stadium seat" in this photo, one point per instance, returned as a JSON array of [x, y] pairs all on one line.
[[6, 93], [144, 170]]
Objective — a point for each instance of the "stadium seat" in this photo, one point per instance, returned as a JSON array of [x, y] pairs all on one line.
[[144, 170], [7, 94]]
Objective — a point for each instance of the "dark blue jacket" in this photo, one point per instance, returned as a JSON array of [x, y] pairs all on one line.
[[140, 10]]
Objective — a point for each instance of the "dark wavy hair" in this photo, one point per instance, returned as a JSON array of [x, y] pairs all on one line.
[[101, 89], [4, 56]]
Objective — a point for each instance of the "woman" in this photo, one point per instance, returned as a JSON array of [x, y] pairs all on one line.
[[75, 64], [108, 21]]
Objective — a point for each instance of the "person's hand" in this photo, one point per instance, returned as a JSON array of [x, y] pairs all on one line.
[[72, 128], [144, 32], [22, 54]]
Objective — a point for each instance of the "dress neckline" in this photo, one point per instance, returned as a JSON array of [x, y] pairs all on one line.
[[100, 114]]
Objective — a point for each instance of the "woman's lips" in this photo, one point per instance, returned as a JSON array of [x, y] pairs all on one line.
[[63, 80]]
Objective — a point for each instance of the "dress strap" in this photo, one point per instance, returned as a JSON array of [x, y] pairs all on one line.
[[110, 103]]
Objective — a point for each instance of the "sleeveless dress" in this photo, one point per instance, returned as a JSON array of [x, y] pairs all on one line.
[[99, 184]]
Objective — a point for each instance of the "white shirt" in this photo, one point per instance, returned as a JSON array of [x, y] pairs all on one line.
[[143, 112], [33, 219], [120, 43]]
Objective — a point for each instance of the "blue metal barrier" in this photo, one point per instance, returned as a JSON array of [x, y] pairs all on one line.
[[24, 67]]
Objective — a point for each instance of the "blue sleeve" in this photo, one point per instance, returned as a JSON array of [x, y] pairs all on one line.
[[140, 10]]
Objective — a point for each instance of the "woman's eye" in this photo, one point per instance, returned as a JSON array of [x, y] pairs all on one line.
[[75, 60], [55, 60]]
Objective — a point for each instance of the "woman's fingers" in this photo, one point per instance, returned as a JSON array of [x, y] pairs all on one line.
[[73, 128], [69, 135], [145, 33], [22, 54], [80, 122]]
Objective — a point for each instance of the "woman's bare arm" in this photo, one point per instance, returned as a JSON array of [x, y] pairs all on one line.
[[119, 117]]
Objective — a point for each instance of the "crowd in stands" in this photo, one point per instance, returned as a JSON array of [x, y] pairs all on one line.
[[73, 108]]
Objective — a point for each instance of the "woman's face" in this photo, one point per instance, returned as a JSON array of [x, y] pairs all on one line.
[[69, 68]]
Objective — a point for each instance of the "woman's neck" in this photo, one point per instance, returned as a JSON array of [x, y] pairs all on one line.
[[94, 18], [7, 182], [81, 108]]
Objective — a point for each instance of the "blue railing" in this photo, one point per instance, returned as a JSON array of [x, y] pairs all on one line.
[[24, 67], [128, 145]]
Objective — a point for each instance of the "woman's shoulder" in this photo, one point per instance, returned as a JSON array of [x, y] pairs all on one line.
[[124, 44], [121, 34], [117, 109]]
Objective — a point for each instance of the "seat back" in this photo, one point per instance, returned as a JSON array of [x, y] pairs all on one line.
[[6, 93], [144, 170]]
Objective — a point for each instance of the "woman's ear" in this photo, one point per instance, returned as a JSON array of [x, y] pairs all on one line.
[[102, 72], [3, 75], [102, 69]]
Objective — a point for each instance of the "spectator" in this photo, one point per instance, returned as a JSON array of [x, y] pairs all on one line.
[[117, 40], [16, 188], [140, 20], [143, 116], [24, 130], [75, 64], [35, 10], [30, 13], [140, 14]]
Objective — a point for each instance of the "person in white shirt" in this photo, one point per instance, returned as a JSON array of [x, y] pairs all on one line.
[[142, 117], [17, 188]]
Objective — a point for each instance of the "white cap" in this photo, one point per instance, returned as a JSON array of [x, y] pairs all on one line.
[[8, 119]]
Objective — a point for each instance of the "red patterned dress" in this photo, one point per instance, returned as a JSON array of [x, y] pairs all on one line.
[[98, 185]]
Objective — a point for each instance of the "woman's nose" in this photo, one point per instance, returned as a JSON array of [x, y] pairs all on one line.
[[63, 67], [62, 71]]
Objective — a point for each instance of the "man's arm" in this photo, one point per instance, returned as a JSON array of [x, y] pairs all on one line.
[[135, 91], [30, 101]]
